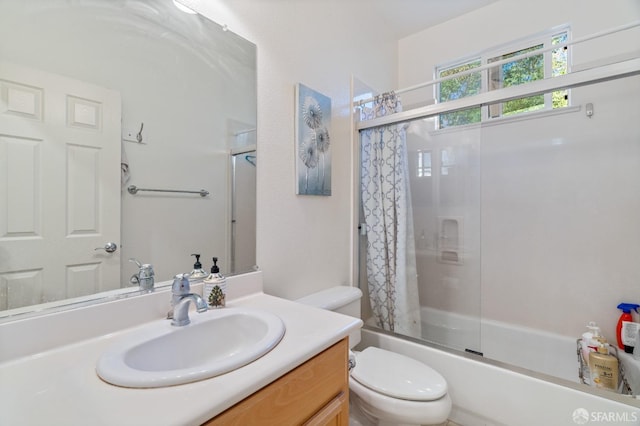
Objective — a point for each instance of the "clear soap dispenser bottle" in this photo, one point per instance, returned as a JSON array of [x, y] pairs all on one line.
[[197, 274], [215, 287]]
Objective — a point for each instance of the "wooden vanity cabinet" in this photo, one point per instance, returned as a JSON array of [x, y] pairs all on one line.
[[315, 393]]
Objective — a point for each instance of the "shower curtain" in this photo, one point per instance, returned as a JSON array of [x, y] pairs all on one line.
[[386, 204]]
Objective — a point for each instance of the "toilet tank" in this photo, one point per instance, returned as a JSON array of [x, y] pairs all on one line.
[[341, 299]]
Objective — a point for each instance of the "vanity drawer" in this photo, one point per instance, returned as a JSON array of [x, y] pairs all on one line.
[[316, 392]]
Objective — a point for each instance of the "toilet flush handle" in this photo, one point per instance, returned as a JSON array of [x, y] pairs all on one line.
[[351, 364]]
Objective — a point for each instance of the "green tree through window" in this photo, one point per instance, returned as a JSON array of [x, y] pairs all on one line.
[[516, 72], [559, 66], [512, 74], [460, 87]]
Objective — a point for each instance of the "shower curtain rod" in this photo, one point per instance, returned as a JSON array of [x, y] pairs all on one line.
[[599, 74], [614, 30]]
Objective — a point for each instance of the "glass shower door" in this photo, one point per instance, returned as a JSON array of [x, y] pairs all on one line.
[[444, 181]]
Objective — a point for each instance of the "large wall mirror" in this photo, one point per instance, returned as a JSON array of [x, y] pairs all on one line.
[[97, 96]]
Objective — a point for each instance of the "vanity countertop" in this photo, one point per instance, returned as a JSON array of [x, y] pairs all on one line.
[[60, 385]]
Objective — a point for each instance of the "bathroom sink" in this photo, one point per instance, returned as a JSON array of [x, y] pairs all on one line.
[[216, 342]]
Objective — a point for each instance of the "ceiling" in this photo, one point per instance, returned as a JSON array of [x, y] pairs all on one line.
[[406, 17], [393, 19]]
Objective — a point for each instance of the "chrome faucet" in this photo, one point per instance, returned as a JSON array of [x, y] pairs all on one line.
[[145, 276], [180, 297], [180, 313]]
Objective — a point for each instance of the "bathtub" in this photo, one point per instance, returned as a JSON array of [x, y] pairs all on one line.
[[536, 350], [524, 347], [526, 377]]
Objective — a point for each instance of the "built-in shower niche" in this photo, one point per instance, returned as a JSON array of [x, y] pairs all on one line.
[[450, 240]]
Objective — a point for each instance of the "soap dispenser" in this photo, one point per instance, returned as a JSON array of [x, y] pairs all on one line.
[[215, 287], [197, 274], [590, 341]]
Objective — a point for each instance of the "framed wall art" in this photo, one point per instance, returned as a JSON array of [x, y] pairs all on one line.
[[313, 142]]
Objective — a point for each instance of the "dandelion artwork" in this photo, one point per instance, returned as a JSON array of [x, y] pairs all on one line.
[[313, 142]]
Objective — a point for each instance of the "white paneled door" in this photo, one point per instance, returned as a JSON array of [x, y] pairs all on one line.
[[59, 187]]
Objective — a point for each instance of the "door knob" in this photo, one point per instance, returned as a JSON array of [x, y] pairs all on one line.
[[109, 247]]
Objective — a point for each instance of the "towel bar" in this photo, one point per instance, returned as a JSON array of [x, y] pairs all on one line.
[[134, 190]]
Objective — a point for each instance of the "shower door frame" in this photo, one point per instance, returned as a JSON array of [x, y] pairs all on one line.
[[600, 74]]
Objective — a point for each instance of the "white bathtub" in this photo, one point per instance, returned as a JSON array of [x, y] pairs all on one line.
[[485, 393], [526, 377], [536, 350], [528, 348]]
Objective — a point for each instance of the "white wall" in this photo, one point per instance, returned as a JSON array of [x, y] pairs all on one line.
[[304, 241], [559, 196]]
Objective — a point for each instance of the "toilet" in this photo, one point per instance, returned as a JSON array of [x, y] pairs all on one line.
[[387, 388]]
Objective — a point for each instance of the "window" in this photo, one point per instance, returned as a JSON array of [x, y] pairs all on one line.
[[448, 161], [518, 71], [512, 74], [460, 87], [424, 164]]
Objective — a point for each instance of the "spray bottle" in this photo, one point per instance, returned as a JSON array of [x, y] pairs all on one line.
[[626, 329]]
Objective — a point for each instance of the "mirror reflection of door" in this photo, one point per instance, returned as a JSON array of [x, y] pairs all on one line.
[[187, 80], [57, 130], [243, 206]]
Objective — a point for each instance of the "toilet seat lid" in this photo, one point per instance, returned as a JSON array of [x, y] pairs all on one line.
[[398, 376]]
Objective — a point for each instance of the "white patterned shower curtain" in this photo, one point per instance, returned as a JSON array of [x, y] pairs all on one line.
[[386, 202]]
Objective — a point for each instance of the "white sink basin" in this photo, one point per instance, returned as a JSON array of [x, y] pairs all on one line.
[[216, 342]]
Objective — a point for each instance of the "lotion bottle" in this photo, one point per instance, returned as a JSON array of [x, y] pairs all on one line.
[[215, 287], [590, 341], [604, 369]]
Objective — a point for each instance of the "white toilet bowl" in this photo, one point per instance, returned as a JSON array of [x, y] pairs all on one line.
[[388, 388], [393, 389]]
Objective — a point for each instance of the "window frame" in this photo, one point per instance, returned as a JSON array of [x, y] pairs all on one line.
[[544, 38]]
